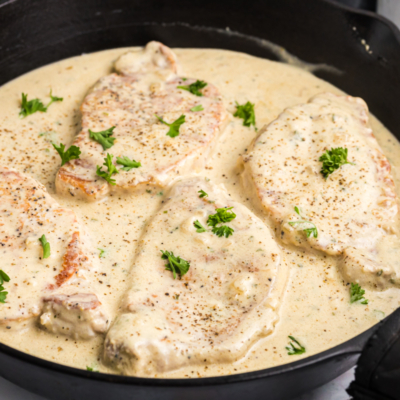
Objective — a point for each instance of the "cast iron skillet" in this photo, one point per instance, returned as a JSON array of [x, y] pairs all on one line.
[[35, 33]]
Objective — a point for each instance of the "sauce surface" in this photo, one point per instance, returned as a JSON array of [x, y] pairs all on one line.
[[315, 309]]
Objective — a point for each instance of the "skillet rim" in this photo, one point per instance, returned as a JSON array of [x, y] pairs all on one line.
[[348, 348]]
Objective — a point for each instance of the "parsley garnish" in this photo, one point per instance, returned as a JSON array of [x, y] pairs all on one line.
[[223, 230], [101, 255], [332, 160], [199, 226], [174, 126], [197, 108], [46, 246], [175, 264], [3, 278], [53, 99], [202, 194], [127, 163], [103, 137], [311, 231], [195, 87], [89, 368], [246, 112], [357, 294], [71, 154], [112, 169], [295, 347], [222, 215], [32, 106]]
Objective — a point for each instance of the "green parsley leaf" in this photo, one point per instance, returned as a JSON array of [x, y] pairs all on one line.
[[197, 108], [222, 215], [46, 246], [89, 368], [306, 226], [175, 264], [295, 347], [53, 99], [332, 160], [103, 137], [101, 255], [223, 231], [199, 226], [128, 164], [357, 294], [3, 295], [112, 169], [31, 106], [194, 87], [174, 126], [246, 112], [3, 277], [72, 153], [202, 194]]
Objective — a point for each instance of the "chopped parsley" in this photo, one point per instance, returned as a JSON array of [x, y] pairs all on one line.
[[53, 99], [302, 225], [199, 227], [45, 246], [194, 87], [202, 194], [197, 108], [93, 369], [295, 347], [112, 169], [223, 230], [3, 278], [127, 163], [176, 265], [246, 112], [103, 137], [222, 215], [174, 126], [357, 294], [332, 160], [32, 106], [71, 154], [102, 252]]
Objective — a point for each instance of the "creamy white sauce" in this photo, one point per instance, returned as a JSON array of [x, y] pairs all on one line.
[[316, 308]]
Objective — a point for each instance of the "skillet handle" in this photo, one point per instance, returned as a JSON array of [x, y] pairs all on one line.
[[377, 374]]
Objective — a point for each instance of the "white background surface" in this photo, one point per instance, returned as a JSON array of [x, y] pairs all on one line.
[[335, 390]]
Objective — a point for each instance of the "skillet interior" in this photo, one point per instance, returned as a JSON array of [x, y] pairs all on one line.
[[36, 33]]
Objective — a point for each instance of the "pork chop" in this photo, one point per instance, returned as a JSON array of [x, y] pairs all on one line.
[[227, 300], [352, 207], [145, 89], [27, 213]]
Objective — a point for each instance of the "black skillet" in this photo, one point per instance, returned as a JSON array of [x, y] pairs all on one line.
[[37, 32]]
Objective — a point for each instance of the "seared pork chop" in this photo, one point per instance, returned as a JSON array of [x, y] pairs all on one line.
[[27, 212], [227, 300], [353, 207], [145, 88]]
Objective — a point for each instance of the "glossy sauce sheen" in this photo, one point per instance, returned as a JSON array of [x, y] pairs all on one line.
[[316, 307]]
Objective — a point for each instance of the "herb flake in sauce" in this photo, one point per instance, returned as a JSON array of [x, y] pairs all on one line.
[[332, 160], [103, 137], [175, 264], [46, 246], [173, 126], [112, 169], [72, 153], [194, 87]]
